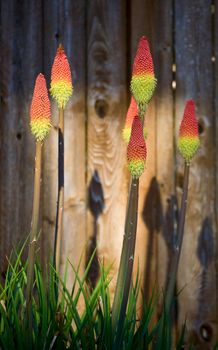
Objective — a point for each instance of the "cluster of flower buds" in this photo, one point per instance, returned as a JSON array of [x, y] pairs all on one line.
[[61, 90], [143, 81], [136, 149], [142, 86], [188, 140], [61, 81], [40, 110]]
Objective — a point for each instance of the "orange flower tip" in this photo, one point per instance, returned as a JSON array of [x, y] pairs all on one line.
[[188, 140], [132, 111], [40, 110], [136, 150], [61, 81], [143, 81]]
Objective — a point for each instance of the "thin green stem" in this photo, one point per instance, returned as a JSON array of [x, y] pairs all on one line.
[[126, 263], [142, 110], [177, 251], [60, 199], [34, 228]]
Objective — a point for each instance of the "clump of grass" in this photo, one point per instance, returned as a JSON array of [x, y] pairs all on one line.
[[57, 324]]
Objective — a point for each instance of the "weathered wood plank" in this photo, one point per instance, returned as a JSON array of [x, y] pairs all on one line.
[[67, 25], [106, 107], [49, 159], [164, 204], [164, 137], [215, 62], [194, 77], [21, 60], [141, 24], [146, 17]]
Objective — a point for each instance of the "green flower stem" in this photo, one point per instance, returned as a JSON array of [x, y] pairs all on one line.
[[177, 252], [60, 200], [35, 223], [142, 110], [126, 263]]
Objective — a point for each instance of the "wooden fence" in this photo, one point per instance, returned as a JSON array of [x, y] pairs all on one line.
[[100, 38]]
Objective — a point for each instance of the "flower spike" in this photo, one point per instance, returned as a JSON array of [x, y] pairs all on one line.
[[61, 82], [40, 110], [136, 150], [143, 81], [188, 141]]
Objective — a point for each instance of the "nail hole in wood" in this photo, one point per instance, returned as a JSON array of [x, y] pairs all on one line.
[[167, 48], [57, 36], [19, 136], [206, 332], [200, 127], [101, 108]]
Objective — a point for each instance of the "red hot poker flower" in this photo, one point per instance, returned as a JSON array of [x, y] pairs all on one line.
[[136, 150], [188, 140], [61, 82], [143, 81], [40, 110]]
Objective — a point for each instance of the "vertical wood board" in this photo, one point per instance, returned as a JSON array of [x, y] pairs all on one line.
[[20, 61], [106, 108], [164, 202], [215, 60], [194, 77], [67, 26]]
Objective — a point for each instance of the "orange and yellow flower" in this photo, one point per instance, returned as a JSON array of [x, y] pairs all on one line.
[[61, 81], [188, 140], [136, 150], [143, 81], [131, 113], [40, 110]]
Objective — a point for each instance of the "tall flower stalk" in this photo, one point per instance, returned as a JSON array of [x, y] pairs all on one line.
[[142, 86], [40, 124], [136, 156], [61, 89], [188, 144]]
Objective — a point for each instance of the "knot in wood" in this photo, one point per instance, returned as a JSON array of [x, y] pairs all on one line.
[[206, 332], [101, 108]]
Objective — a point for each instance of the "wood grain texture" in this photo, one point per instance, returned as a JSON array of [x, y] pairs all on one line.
[[21, 59], [75, 144], [50, 147], [215, 62], [194, 77], [106, 108], [67, 25], [165, 202]]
